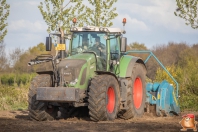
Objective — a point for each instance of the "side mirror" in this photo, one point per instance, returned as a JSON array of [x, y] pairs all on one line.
[[48, 43], [123, 44]]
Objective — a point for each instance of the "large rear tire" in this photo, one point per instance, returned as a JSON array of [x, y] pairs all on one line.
[[39, 110], [104, 97], [136, 93]]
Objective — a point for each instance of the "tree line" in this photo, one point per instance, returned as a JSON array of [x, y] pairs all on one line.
[[180, 59]]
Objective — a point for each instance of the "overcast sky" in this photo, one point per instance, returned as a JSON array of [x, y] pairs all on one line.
[[151, 22]]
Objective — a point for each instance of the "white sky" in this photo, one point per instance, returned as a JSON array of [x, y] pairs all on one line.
[[151, 22]]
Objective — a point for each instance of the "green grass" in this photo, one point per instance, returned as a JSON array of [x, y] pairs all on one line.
[[13, 98], [14, 90], [16, 79]]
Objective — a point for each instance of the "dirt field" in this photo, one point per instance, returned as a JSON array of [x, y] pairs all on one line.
[[18, 121]]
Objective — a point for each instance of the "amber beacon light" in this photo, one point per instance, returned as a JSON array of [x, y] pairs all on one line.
[[74, 20], [124, 21]]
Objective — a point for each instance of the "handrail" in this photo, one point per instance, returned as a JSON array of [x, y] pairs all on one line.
[[150, 55]]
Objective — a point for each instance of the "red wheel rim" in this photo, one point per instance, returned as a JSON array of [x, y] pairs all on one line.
[[111, 100], [137, 93]]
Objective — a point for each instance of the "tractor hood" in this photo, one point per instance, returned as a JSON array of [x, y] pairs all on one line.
[[89, 57], [75, 68], [77, 60]]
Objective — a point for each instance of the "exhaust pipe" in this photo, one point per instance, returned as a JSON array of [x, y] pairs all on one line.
[[35, 62], [62, 41]]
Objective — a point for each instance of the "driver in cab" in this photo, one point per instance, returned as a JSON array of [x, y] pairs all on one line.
[[98, 47]]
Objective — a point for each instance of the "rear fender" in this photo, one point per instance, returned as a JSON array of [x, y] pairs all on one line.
[[127, 63]]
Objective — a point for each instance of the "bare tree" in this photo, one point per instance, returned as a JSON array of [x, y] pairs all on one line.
[[3, 58], [168, 54], [14, 56]]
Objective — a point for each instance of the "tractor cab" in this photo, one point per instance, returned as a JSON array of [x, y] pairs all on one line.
[[105, 43], [90, 42]]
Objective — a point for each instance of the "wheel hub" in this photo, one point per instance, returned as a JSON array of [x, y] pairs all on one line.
[[137, 93], [111, 100]]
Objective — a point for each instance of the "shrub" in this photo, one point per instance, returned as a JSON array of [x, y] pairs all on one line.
[[12, 98]]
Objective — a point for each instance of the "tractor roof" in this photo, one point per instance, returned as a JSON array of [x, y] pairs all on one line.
[[97, 29]]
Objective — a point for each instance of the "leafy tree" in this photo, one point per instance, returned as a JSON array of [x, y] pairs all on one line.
[[137, 46], [188, 9], [59, 16], [4, 13], [101, 13], [162, 75]]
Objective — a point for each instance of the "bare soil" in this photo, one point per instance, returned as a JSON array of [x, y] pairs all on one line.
[[18, 121]]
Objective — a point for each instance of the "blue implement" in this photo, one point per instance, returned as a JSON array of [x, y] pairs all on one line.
[[163, 96]]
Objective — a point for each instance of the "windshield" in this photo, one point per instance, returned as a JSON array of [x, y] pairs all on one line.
[[89, 42]]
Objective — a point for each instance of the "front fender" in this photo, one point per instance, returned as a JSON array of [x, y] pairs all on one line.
[[127, 63]]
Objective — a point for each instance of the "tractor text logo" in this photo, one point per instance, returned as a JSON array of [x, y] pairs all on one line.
[[188, 122]]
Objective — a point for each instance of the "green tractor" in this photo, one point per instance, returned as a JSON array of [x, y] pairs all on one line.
[[95, 73]]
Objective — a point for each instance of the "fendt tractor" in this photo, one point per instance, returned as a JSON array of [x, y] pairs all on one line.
[[97, 73]]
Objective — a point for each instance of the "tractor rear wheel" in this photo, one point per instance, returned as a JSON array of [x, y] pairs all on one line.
[[39, 110], [136, 93], [104, 97]]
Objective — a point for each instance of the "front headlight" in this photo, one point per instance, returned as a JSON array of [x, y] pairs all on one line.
[[73, 82], [73, 29]]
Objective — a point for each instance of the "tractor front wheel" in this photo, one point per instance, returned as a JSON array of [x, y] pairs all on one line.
[[104, 97], [39, 110]]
